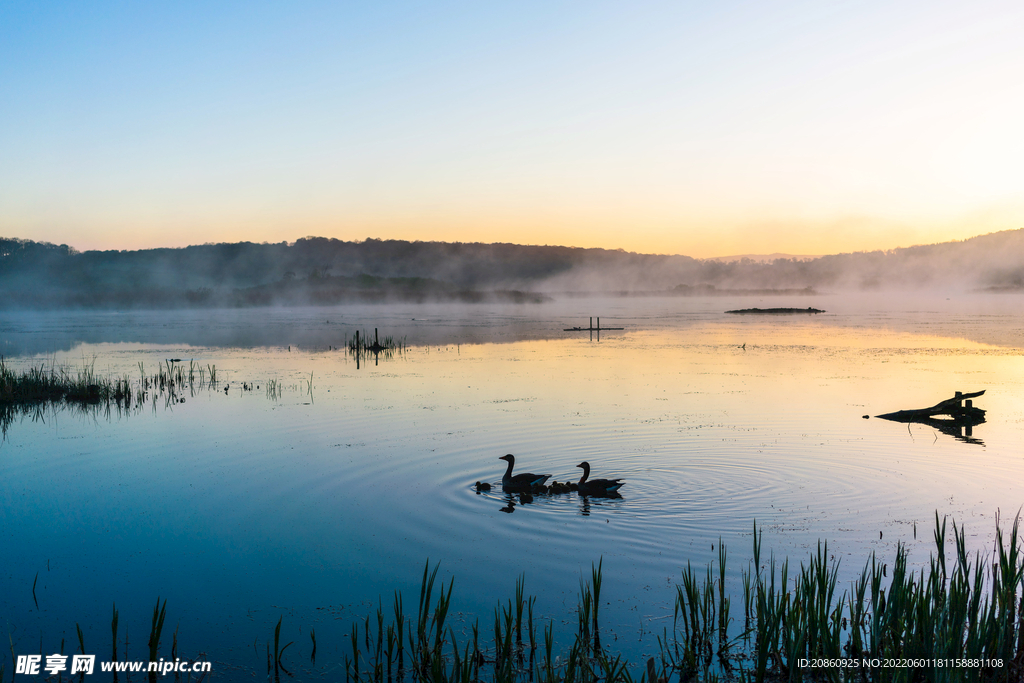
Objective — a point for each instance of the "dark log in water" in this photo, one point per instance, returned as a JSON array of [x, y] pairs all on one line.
[[953, 407], [775, 311], [959, 416]]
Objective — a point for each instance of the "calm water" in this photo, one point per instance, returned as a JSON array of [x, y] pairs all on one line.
[[239, 507]]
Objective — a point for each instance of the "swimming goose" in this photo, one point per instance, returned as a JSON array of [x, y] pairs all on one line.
[[519, 482], [596, 487]]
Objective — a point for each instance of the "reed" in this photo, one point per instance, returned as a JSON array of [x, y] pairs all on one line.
[[33, 392], [59, 383], [972, 608], [113, 633], [361, 342], [278, 651], [159, 612], [273, 390], [955, 607]]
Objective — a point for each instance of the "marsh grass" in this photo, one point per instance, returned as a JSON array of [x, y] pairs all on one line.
[[359, 346], [32, 392], [38, 391], [273, 390], [279, 652], [159, 613], [59, 383], [958, 608]]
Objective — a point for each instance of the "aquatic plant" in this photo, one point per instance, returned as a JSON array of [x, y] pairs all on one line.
[[154, 633], [955, 609], [33, 392], [361, 343], [279, 651], [931, 618], [113, 633]]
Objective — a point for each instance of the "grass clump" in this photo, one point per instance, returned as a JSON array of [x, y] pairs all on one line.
[[59, 383], [360, 343], [958, 620], [31, 392]]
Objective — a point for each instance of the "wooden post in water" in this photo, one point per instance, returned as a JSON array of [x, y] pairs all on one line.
[[598, 323], [357, 340], [375, 343], [591, 322]]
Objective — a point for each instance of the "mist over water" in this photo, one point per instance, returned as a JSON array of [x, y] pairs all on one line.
[[239, 507], [319, 271]]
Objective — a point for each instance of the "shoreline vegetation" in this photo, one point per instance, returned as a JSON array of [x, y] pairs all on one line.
[[959, 618], [325, 271], [30, 392]]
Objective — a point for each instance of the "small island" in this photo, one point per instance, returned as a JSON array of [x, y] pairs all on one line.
[[775, 311]]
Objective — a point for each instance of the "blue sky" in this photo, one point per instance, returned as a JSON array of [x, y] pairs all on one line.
[[699, 128]]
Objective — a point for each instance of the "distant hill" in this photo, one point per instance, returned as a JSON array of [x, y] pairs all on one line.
[[323, 270]]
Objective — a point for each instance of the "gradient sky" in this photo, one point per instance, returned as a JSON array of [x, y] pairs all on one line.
[[699, 128]]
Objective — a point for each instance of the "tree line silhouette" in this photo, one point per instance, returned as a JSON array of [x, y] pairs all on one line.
[[324, 270]]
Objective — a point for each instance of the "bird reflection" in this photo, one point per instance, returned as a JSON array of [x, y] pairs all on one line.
[[511, 499], [585, 500]]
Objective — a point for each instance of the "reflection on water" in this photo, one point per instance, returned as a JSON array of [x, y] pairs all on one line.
[[960, 428], [509, 501], [239, 506]]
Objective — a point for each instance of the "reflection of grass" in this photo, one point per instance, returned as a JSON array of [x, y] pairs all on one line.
[[273, 390]]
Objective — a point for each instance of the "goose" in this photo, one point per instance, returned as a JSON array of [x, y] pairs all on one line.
[[520, 482], [596, 486]]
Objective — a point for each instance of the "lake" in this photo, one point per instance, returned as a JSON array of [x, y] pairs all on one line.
[[313, 501]]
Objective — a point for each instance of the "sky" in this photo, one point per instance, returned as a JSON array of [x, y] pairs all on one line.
[[697, 128]]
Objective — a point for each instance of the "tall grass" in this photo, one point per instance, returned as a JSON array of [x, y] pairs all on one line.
[[361, 343], [33, 392], [971, 608], [59, 383], [928, 621]]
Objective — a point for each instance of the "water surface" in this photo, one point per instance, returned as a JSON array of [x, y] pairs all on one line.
[[239, 507]]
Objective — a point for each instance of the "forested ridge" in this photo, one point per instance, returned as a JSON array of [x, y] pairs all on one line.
[[324, 270]]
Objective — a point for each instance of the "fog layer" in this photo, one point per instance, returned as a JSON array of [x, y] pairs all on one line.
[[317, 270]]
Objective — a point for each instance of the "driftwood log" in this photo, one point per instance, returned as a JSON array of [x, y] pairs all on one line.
[[955, 417], [953, 407]]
